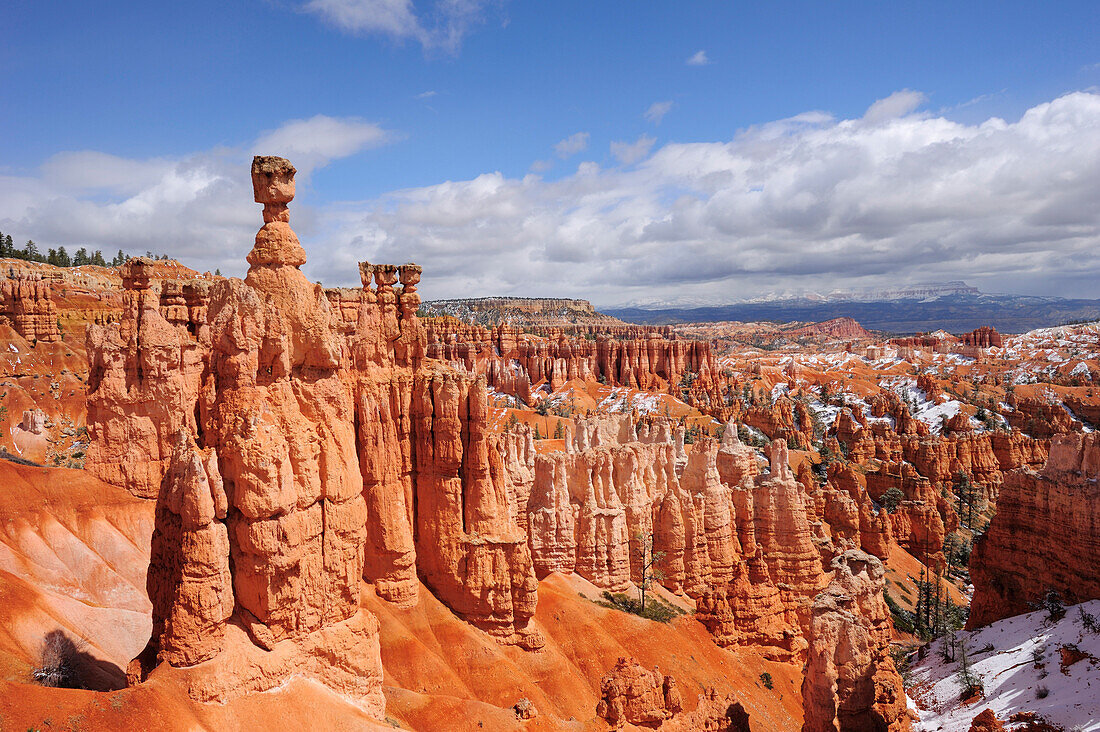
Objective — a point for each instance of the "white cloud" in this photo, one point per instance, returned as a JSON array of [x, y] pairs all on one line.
[[699, 58], [443, 25], [88, 170], [312, 143], [197, 208], [804, 203], [629, 153], [426, 95], [898, 104], [571, 145], [657, 112], [541, 166]]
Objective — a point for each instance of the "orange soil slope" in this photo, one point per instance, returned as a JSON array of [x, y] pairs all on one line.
[[439, 668], [73, 557]]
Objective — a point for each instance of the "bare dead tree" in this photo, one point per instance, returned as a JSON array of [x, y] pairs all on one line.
[[650, 571]]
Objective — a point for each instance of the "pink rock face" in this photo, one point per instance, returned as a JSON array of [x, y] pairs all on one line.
[[1044, 536], [588, 507], [469, 548], [983, 337], [850, 680], [986, 722], [919, 523], [287, 450], [632, 694], [385, 458], [276, 242], [184, 303], [784, 535], [750, 611], [778, 421], [143, 385], [736, 461], [25, 302], [590, 511], [273, 180], [646, 360]]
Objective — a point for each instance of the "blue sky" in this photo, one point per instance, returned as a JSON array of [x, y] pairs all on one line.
[[590, 147]]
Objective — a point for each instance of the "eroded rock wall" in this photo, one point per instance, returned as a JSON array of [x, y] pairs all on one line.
[[513, 362], [1044, 536], [25, 302]]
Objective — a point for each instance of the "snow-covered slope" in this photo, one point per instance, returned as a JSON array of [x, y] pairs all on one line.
[[1003, 655]]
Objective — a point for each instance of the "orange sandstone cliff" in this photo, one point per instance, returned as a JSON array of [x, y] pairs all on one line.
[[1044, 536]]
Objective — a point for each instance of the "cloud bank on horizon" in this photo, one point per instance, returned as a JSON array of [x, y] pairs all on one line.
[[808, 203]]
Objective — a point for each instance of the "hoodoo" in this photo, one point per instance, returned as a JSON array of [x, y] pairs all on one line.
[[261, 484]]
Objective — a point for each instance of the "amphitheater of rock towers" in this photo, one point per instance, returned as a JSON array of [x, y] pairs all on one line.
[[286, 498], [464, 366]]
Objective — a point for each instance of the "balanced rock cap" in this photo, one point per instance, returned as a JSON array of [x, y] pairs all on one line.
[[272, 179]]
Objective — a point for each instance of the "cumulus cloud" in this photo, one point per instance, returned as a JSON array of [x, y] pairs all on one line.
[[88, 170], [657, 111], [808, 203], [629, 153], [441, 25], [571, 145], [699, 58], [312, 143], [197, 207]]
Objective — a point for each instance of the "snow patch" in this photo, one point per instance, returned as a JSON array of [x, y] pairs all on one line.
[[1003, 656]]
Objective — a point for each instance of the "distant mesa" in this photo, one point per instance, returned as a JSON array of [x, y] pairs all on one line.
[[521, 311]]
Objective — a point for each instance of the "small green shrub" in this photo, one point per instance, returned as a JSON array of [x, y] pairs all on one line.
[[766, 680], [655, 609]]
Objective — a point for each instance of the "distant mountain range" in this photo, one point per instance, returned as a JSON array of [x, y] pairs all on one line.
[[953, 306], [866, 294]]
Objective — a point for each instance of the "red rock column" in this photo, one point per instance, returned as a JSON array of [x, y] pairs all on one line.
[[282, 421], [143, 387], [850, 680], [189, 580]]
